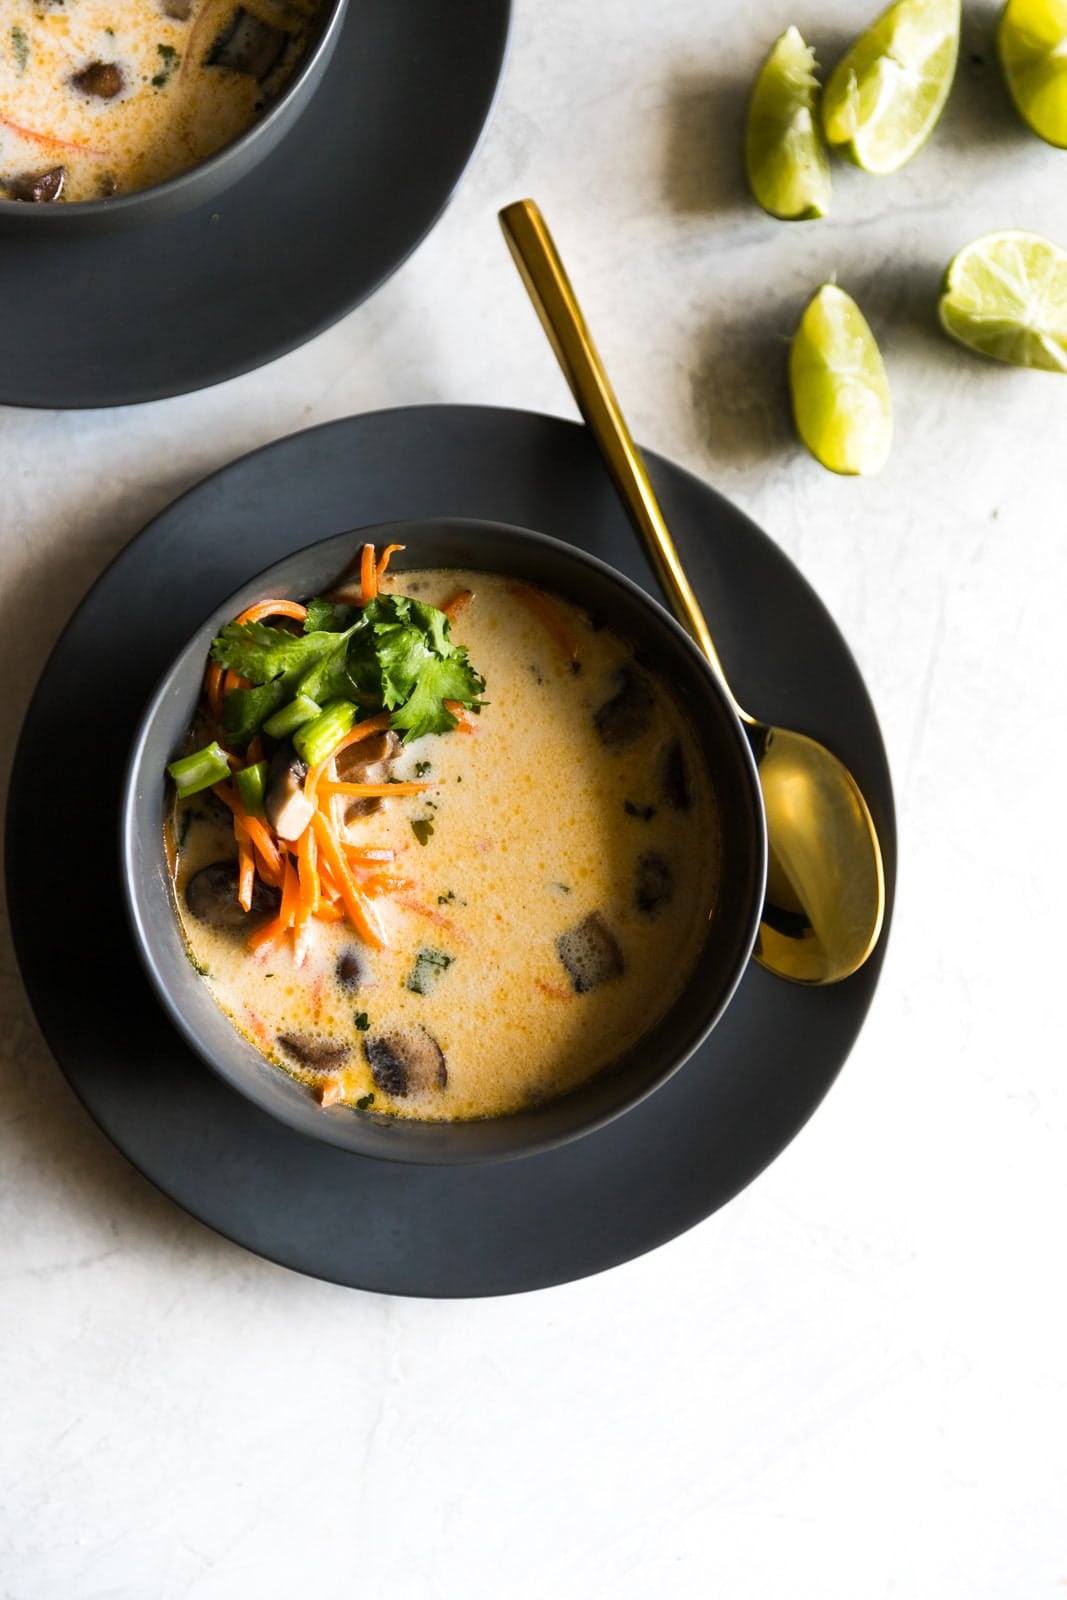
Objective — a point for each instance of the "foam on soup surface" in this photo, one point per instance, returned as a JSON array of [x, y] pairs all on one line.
[[99, 97], [558, 881]]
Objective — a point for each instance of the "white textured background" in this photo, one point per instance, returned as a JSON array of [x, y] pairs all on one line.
[[850, 1382]]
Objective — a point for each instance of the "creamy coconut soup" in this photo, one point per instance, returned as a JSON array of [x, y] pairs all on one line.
[[533, 885], [99, 97]]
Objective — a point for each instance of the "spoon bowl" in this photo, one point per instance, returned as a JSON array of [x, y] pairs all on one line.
[[825, 897]]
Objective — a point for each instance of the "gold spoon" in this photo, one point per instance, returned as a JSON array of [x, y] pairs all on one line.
[[825, 884]]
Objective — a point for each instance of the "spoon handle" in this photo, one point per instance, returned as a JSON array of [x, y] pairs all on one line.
[[549, 288]]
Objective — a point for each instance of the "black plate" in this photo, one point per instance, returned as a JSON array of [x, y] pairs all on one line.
[[377, 1225], [137, 314]]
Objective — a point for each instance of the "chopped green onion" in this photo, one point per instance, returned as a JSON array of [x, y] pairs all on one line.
[[200, 770], [315, 740], [251, 784], [292, 716]]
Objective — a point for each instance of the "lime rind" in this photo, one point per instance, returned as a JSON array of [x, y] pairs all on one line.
[[840, 391], [1005, 296], [885, 96], [786, 161], [1032, 46]]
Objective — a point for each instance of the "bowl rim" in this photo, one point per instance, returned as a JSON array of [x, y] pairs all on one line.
[[176, 188], [321, 1125]]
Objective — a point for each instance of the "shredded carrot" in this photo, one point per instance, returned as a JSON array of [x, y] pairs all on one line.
[[255, 750], [213, 689], [377, 883], [373, 790], [553, 992], [383, 564], [368, 576], [257, 832], [458, 604], [360, 913], [232, 680], [269, 873], [438, 918], [329, 911], [50, 138], [273, 930], [265, 846], [246, 874], [258, 1027], [542, 607], [357, 855], [273, 608], [306, 865], [466, 721]]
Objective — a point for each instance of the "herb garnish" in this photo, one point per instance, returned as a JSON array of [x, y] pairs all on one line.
[[20, 46], [364, 1101], [169, 59], [429, 965], [395, 654], [422, 768], [422, 828], [362, 1021]]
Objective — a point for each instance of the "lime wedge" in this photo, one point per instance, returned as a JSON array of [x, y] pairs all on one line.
[[1032, 44], [839, 387], [885, 95], [1005, 296], [786, 162]]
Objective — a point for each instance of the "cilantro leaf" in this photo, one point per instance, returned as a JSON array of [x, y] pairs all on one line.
[[394, 654], [404, 651], [244, 711], [328, 617], [261, 653], [424, 710]]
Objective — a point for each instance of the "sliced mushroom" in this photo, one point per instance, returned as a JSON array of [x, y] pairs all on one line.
[[101, 79], [590, 953], [315, 1055], [249, 45], [211, 895], [653, 883], [178, 9], [287, 806], [41, 188], [367, 762], [629, 713], [407, 1061], [351, 970]]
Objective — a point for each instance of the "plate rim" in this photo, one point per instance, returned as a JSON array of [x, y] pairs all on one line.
[[84, 392], [477, 416]]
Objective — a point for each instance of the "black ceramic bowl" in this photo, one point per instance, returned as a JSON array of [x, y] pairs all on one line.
[[202, 183], [661, 644]]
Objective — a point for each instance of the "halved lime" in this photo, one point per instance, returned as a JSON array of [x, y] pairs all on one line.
[[1032, 44], [839, 386], [885, 95], [1005, 296], [786, 162]]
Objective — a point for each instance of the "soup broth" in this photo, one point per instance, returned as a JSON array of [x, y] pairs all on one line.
[[550, 891], [99, 97]]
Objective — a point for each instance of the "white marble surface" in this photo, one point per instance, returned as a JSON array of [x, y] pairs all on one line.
[[851, 1381]]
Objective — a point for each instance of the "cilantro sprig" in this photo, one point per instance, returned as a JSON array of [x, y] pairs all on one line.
[[395, 654]]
